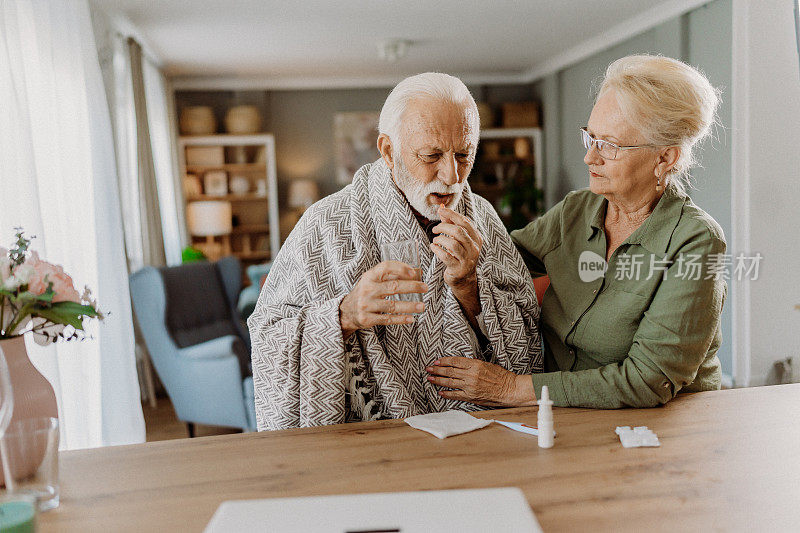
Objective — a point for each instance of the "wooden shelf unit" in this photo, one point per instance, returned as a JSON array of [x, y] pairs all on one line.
[[256, 231], [231, 167], [252, 228], [505, 177], [249, 197]]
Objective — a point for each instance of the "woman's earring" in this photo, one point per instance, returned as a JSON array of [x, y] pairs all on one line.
[[659, 188]]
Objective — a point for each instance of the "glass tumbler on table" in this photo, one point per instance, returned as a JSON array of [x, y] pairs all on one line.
[[30, 459]]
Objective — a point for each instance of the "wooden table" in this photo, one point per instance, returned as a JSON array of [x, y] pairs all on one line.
[[729, 460]]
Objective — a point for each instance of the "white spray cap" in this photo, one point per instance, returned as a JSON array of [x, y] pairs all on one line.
[[545, 399], [545, 419]]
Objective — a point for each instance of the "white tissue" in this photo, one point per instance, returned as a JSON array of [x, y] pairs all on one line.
[[637, 437], [446, 424]]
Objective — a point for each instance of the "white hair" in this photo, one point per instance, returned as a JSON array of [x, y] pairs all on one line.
[[433, 85], [669, 102]]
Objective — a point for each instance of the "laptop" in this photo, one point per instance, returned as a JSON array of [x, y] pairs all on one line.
[[474, 510]]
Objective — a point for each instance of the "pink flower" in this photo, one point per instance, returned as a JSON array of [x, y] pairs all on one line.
[[44, 273]]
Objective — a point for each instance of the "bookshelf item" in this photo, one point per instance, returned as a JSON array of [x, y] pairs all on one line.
[[205, 155], [192, 185], [237, 155], [211, 219], [249, 187], [215, 183], [520, 115], [243, 120], [260, 155], [302, 194], [522, 147], [239, 184], [198, 120], [508, 173]]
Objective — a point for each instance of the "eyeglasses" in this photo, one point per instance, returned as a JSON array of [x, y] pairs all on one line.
[[606, 149]]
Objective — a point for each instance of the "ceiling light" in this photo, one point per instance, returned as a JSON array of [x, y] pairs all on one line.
[[393, 49]]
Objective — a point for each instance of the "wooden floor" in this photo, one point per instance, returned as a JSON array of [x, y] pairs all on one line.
[[161, 423]]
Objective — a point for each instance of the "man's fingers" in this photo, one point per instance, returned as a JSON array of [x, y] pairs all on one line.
[[388, 288], [459, 233], [443, 255], [395, 307], [449, 229], [452, 246], [448, 215], [387, 270], [380, 319], [451, 215]]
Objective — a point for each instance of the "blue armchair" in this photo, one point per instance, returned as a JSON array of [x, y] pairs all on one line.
[[200, 348], [249, 295]]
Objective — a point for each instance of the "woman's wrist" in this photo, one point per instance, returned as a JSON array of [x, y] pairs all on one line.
[[524, 393]]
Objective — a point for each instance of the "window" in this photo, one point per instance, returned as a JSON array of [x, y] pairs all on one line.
[[797, 26]]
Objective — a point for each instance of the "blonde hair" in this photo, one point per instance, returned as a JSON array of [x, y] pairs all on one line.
[[669, 102]]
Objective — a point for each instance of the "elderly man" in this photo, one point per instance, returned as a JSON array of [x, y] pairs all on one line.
[[330, 343]]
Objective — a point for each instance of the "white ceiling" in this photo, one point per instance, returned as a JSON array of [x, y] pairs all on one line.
[[329, 42]]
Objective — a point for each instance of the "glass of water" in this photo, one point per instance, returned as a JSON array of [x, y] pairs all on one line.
[[30, 459], [406, 252]]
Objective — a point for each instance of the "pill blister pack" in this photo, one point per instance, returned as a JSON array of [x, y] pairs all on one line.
[[637, 437]]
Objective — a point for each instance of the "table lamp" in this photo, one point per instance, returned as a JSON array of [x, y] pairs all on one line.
[[211, 219], [303, 193]]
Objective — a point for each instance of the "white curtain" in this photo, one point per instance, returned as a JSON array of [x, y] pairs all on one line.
[[161, 134], [124, 121], [58, 180]]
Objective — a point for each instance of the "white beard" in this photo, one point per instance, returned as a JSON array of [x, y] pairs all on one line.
[[417, 193]]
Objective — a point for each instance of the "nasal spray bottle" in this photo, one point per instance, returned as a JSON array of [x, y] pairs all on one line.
[[545, 420]]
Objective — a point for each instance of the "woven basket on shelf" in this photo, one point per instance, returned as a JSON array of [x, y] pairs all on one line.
[[198, 120], [243, 120]]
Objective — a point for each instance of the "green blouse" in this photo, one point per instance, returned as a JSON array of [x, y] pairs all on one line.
[[647, 328]]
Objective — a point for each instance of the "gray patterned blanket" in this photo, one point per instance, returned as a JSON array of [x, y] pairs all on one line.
[[305, 374]]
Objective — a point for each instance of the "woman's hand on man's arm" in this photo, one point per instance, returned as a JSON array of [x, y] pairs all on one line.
[[481, 383]]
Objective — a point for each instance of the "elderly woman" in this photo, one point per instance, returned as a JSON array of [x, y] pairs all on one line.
[[648, 326]]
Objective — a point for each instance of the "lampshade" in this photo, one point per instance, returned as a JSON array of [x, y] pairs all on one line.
[[303, 193], [209, 219]]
